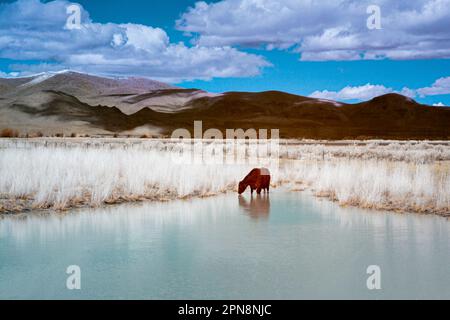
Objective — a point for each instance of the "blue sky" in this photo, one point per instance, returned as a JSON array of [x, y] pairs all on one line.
[[239, 45]]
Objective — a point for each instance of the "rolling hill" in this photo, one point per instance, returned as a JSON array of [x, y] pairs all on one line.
[[72, 102]]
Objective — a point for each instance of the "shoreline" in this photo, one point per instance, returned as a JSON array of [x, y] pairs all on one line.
[[28, 210], [65, 173]]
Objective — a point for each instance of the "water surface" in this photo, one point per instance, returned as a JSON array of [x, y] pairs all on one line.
[[286, 246]]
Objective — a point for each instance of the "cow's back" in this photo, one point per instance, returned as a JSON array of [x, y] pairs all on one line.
[[252, 176]]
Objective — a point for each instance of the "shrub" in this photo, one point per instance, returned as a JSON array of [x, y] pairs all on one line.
[[36, 135], [9, 133]]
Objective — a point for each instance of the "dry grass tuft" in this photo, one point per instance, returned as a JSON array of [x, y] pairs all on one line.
[[9, 133]]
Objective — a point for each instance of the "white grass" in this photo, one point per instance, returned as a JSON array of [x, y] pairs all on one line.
[[66, 173], [407, 151], [378, 184], [62, 177]]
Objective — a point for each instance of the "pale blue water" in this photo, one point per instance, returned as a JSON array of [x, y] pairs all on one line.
[[291, 246]]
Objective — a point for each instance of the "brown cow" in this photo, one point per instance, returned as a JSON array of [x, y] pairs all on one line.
[[257, 179]]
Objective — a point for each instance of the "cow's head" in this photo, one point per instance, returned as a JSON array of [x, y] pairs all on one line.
[[242, 187]]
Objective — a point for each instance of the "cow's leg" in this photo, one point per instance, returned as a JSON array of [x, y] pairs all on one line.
[[258, 186]]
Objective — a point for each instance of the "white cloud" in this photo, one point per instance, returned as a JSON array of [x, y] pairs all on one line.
[[440, 86], [365, 92], [31, 30], [8, 75], [407, 92], [369, 91], [327, 29], [439, 104]]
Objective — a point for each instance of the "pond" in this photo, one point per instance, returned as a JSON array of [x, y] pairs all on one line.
[[289, 245]]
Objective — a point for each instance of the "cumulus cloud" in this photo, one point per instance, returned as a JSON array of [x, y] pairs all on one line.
[[365, 92], [439, 104], [32, 30], [440, 86], [370, 91], [327, 29]]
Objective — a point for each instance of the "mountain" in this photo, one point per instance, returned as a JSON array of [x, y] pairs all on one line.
[[128, 94], [390, 116], [72, 102]]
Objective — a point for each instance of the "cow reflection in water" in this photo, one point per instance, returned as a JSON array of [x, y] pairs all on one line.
[[258, 207]]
